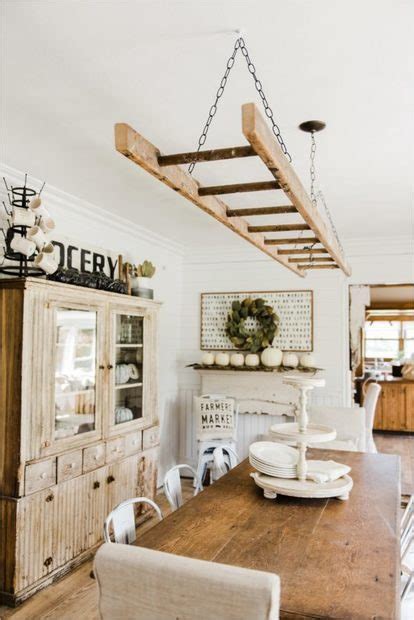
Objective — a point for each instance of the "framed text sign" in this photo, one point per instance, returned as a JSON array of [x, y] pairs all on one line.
[[294, 308]]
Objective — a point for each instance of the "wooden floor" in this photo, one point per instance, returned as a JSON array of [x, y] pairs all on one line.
[[74, 597]]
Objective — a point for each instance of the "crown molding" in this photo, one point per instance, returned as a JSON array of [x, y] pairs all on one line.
[[81, 209]]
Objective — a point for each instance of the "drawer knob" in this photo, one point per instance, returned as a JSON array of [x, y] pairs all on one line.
[[43, 475], [95, 457], [109, 367], [72, 465], [101, 367], [96, 484], [110, 479], [50, 497], [48, 561]]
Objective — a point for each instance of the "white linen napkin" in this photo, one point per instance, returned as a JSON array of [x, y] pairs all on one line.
[[326, 471]]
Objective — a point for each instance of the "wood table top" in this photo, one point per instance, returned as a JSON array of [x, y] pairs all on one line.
[[335, 559]]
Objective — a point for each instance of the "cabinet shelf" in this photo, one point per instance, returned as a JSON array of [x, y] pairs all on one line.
[[123, 386]]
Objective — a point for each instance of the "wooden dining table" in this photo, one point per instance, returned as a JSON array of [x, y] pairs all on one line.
[[335, 559]]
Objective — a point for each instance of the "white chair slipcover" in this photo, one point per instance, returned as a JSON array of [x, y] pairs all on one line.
[[143, 584]]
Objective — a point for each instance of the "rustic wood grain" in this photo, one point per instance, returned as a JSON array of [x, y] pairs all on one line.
[[237, 188], [55, 494], [139, 150], [335, 559], [259, 135], [202, 156], [395, 407], [11, 337], [261, 211], [279, 227]]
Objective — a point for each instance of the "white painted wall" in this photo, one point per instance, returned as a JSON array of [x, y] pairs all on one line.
[[87, 224], [373, 262]]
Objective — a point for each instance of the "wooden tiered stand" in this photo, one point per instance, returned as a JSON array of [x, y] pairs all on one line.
[[302, 434], [324, 253]]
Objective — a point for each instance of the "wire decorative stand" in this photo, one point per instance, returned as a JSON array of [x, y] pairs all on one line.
[[21, 265]]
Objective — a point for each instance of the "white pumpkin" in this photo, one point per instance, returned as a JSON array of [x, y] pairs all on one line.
[[290, 360], [222, 359], [207, 359], [252, 360], [237, 359], [307, 360], [271, 357]]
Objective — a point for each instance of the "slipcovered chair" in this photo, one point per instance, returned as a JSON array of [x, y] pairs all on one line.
[[349, 423], [143, 584]]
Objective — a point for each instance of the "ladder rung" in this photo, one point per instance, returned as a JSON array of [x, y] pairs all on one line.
[[291, 240], [304, 251], [261, 211], [212, 155], [237, 188], [316, 259], [279, 228], [312, 266]]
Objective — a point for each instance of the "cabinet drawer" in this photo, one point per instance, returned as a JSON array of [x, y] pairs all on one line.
[[93, 457], [151, 437], [69, 465], [39, 476], [133, 443], [115, 449]]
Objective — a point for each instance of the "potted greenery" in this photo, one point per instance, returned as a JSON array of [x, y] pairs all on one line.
[[141, 286]]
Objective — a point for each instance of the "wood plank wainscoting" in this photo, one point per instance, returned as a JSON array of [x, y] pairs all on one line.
[[58, 484]]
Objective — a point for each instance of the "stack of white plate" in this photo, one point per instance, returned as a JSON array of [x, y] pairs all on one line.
[[274, 459]]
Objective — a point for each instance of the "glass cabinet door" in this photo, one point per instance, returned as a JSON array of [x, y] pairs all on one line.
[[128, 371], [75, 371]]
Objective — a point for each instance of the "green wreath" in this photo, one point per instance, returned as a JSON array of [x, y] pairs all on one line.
[[241, 336]]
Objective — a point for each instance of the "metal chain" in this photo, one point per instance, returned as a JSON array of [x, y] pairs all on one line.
[[312, 170], [239, 44], [315, 195]]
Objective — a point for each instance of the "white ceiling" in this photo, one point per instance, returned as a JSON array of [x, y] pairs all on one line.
[[71, 69]]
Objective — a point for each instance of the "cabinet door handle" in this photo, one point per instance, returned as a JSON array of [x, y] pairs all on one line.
[[96, 484], [110, 479], [50, 498], [48, 561], [101, 367], [109, 367]]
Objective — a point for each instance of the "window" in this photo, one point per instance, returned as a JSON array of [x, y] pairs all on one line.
[[388, 337]]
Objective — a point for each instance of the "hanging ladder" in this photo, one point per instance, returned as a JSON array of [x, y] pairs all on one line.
[[263, 144]]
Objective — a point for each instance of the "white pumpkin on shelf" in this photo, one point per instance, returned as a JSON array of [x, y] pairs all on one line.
[[307, 360], [207, 359], [222, 359], [271, 357], [290, 360], [237, 360], [252, 360]]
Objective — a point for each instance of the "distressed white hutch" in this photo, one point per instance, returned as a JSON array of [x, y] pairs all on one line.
[[78, 422]]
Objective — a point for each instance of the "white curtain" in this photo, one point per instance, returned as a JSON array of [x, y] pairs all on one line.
[[360, 300]]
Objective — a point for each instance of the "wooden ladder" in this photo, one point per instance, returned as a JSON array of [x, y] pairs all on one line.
[[263, 144]]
